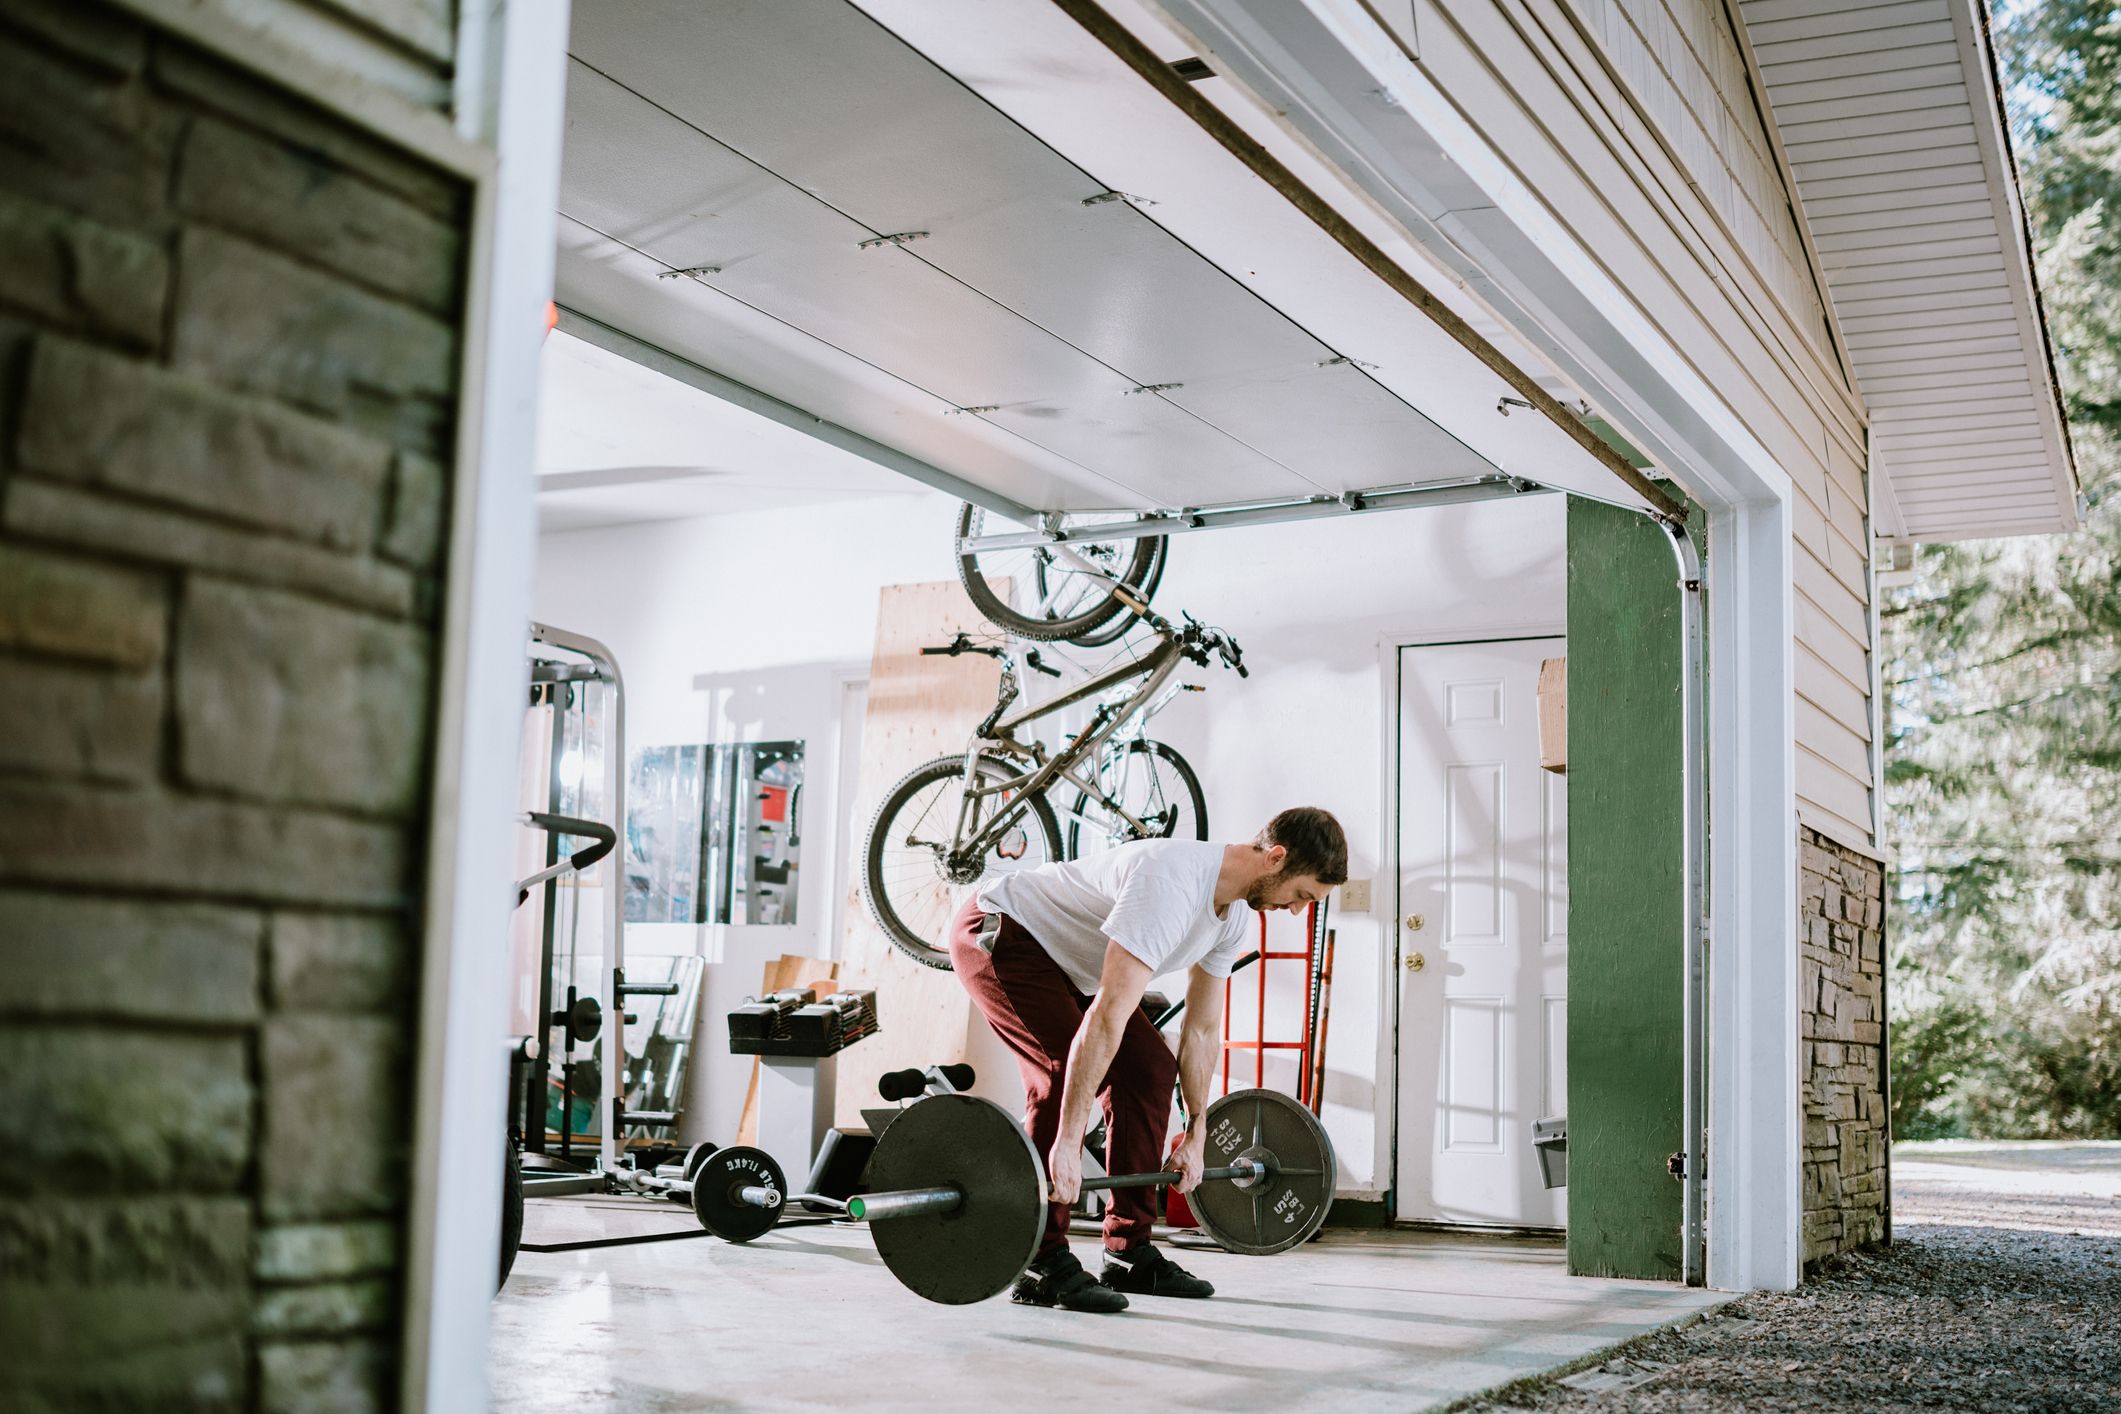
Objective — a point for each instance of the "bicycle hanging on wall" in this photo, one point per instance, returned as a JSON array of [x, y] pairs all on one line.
[[959, 821], [1079, 590]]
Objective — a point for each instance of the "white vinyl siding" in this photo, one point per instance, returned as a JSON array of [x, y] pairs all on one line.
[[1656, 159]]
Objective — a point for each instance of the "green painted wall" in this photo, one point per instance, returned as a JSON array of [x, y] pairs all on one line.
[[1625, 931]]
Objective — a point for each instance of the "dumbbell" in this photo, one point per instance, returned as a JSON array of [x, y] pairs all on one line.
[[737, 1193], [959, 1206]]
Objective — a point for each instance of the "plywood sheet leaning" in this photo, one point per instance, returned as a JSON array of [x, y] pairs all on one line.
[[919, 709], [787, 970]]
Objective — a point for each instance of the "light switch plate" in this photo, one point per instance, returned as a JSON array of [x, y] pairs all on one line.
[[1355, 896]]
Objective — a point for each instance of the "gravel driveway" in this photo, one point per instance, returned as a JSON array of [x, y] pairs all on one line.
[[2001, 1292]]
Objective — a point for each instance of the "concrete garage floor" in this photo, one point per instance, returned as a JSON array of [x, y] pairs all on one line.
[[808, 1318]]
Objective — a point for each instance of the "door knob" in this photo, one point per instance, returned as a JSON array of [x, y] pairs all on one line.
[[1416, 922], [1416, 962]]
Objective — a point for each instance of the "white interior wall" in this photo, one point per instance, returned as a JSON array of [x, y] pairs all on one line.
[[744, 627]]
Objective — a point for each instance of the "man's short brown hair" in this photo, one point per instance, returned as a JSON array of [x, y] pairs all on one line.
[[1316, 844]]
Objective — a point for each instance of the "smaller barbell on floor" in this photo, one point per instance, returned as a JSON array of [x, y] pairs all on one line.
[[737, 1193], [958, 1202]]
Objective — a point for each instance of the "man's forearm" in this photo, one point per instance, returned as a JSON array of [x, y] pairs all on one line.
[[1197, 1053], [1089, 1057]]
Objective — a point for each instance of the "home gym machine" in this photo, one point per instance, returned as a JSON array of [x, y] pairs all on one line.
[[564, 668]]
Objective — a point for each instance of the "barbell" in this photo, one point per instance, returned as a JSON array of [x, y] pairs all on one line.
[[737, 1193], [958, 1203]]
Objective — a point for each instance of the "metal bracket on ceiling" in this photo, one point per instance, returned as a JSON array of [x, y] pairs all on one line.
[[1151, 388], [695, 271], [1339, 359], [973, 410], [1503, 405], [896, 238], [1127, 196]]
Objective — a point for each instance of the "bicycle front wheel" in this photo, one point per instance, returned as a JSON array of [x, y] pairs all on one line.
[[1152, 783], [913, 886], [1054, 599]]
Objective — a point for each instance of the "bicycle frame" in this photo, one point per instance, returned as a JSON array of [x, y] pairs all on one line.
[[997, 738]]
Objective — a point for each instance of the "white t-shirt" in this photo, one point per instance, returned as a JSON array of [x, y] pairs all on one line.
[[1155, 898]]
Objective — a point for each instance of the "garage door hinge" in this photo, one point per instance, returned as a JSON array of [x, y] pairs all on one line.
[[695, 271], [896, 238], [1152, 388], [1127, 196]]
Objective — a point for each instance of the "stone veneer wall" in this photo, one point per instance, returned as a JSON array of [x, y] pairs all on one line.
[[1842, 993], [228, 349]]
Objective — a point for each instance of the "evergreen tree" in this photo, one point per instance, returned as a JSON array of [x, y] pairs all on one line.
[[2002, 664]]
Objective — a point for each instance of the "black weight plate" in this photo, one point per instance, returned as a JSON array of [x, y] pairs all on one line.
[[1291, 1204], [697, 1155], [714, 1187], [979, 1248]]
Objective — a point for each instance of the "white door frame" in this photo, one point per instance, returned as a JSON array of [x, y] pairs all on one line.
[[1389, 645], [497, 127], [509, 100], [1330, 72]]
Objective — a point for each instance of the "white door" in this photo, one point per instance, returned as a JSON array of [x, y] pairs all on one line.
[[1482, 935]]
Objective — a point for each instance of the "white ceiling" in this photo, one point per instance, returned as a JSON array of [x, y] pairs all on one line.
[[1197, 343], [619, 443]]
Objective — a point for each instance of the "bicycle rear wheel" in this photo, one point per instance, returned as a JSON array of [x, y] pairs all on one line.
[[1058, 600], [912, 891], [1154, 784]]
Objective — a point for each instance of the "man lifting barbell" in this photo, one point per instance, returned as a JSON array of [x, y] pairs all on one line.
[[1057, 958]]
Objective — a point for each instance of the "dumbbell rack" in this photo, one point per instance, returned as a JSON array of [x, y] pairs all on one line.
[[1259, 1045]]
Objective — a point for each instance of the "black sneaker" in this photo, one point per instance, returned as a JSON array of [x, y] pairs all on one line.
[[1146, 1271], [1059, 1280]]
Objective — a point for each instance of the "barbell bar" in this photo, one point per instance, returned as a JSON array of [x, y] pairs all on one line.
[[881, 1207]]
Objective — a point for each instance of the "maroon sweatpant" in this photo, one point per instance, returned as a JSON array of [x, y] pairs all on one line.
[[1036, 1011]]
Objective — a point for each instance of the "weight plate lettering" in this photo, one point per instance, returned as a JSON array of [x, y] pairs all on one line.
[[978, 1249], [1260, 1218], [714, 1187]]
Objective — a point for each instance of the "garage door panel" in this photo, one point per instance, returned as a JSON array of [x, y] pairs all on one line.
[[790, 256], [866, 102], [1150, 444], [1111, 283], [1352, 433], [616, 285]]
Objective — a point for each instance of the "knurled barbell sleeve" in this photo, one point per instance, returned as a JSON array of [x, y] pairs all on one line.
[[906, 1203]]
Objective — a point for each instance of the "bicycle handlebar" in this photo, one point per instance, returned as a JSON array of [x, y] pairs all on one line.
[[961, 644]]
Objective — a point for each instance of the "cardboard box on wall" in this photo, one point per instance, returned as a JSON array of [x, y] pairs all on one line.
[[1554, 714]]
